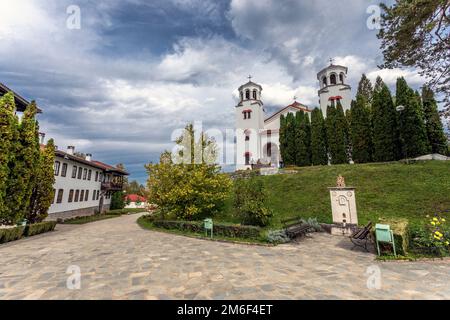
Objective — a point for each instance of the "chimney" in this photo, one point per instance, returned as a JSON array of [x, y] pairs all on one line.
[[88, 157], [42, 136], [70, 150]]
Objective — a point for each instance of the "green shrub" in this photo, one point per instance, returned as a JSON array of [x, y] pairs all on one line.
[[117, 200], [124, 211], [224, 230], [400, 227], [41, 227], [87, 219], [278, 236], [250, 202], [7, 235], [313, 224]]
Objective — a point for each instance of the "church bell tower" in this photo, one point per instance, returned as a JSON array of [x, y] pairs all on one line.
[[334, 87], [249, 121]]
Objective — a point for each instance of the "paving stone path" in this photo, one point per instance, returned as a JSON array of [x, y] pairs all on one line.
[[119, 260]]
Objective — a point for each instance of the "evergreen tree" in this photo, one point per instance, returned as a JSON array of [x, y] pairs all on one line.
[[303, 153], [365, 91], [43, 193], [282, 138], [290, 139], [8, 127], [318, 138], [117, 201], [23, 167], [378, 86], [342, 135], [336, 134], [385, 141], [412, 127], [433, 124], [360, 131]]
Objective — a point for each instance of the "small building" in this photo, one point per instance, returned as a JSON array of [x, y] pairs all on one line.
[[82, 186], [135, 201]]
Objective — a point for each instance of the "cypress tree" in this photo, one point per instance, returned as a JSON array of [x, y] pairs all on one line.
[[302, 157], [342, 135], [385, 141], [378, 86], [8, 129], [360, 131], [365, 91], [433, 124], [412, 127], [42, 193], [318, 138], [24, 166], [290, 139], [282, 138], [336, 128]]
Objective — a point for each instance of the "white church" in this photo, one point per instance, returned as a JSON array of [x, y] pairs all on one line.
[[257, 134]]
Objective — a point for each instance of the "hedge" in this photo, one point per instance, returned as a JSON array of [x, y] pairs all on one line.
[[400, 227], [37, 228], [124, 211], [224, 230], [11, 234]]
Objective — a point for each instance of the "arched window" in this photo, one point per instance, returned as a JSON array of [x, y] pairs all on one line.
[[254, 94], [247, 158], [324, 81], [333, 79], [341, 78], [247, 94], [269, 149]]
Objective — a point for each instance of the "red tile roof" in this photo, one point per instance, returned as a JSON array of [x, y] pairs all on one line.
[[134, 198], [295, 105]]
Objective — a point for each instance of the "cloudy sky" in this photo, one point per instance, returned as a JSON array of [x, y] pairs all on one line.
[[136, 70]]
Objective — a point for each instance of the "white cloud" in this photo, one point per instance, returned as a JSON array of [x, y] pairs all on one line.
[[390, 76]]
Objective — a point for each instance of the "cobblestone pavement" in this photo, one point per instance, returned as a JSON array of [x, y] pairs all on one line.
[[119, 260]]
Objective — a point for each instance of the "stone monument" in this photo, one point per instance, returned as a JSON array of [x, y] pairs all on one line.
[[343, 208]]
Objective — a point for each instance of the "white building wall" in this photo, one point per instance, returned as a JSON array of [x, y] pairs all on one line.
[[68, 183]]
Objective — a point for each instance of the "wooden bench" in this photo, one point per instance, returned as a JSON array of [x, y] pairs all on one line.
[[361, 237], [295, 227]]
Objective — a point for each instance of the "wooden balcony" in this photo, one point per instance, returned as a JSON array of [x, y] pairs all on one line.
[[112, 186]]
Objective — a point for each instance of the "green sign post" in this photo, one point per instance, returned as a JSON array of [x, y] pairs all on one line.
[[384, 234], [208, 223]]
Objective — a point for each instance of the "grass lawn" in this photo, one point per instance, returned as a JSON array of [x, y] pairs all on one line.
[[383, 190]]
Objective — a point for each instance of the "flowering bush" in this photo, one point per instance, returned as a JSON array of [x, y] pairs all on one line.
[[434, 237]]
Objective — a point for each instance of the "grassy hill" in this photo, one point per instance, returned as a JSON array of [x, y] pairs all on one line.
[[382, 190]]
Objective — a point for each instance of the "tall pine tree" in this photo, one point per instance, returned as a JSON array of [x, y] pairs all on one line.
[[283, 138], [413, 133], [23, 167], [433, 124], [290, 152], [336, 134], [42, 193], [365, 91], [360, 129], [8, 134], [385, 138], [302, 143], [318, 138]]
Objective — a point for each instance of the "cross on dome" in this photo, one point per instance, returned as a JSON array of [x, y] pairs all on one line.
[[249, 78]]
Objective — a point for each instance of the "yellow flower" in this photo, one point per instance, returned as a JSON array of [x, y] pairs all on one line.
[[443, 220], [435, 219], [433, 223], [447, 243]]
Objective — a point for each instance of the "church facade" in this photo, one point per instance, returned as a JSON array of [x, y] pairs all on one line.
[[257, 134]]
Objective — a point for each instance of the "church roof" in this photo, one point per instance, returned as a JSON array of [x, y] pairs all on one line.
[[331, 66], [250, 83], [295, 105], [21, 103]]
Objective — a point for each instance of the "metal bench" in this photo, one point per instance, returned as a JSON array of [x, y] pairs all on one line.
[[295, 227], [361, 237]]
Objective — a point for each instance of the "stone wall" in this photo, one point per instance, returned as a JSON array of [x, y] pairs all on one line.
[[76, 213]]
